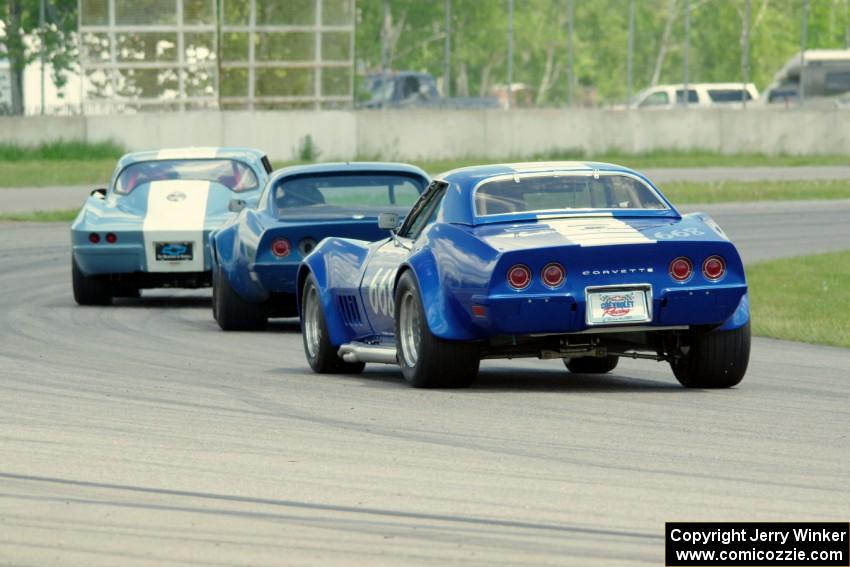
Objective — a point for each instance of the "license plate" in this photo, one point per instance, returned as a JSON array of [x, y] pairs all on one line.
[[173, 251], [610, 306]]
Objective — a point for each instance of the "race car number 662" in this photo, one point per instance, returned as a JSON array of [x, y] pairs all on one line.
[[679, 233]]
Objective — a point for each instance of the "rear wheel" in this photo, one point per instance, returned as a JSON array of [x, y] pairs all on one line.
[[89, 290], [714, 360], [321, 354], [427, 361], [231, 311], [591, 365]]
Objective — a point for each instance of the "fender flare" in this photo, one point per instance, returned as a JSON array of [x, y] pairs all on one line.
[[739, 318], [316, 263], [445, 316]]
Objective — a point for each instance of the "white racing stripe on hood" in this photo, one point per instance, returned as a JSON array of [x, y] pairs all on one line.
[[176, 213], [602, 231]]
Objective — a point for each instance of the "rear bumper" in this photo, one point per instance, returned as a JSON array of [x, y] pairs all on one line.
[[110, 258], [564, 312], [127, 255]]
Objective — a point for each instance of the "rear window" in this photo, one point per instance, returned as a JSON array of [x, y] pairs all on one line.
[[233, 174], [348, 194], [728, 95], [564, 193]]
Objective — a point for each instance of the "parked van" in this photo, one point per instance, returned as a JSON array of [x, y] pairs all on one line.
[[827, 74], [699, 94]]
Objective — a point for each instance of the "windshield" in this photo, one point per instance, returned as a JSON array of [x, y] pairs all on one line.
[[233, 174], [364, 193], [564, 192]]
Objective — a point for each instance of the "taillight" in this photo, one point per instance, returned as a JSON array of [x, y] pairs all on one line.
[[281, 248], [714, 268], [519, 277], [94, 238], [111, 237], [553, 275], [681, 269]]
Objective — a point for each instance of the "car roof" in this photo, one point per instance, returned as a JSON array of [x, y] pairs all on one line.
[[457, 205], [252, 154], [474, 174], [703, 86], [349, 167]]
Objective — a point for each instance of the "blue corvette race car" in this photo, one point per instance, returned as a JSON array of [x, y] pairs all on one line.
[[256, 255], [150, 227], [587, 262]]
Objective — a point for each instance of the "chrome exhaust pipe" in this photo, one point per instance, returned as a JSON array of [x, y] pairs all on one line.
[[353, 352]]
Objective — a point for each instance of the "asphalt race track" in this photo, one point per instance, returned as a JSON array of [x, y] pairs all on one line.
[[141, 434]]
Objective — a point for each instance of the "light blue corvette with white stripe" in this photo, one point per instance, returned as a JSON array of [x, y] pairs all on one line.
[[151, 227]]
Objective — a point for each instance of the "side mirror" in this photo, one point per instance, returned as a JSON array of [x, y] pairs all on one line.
[[387, 221], [99, 192], [236, 205]]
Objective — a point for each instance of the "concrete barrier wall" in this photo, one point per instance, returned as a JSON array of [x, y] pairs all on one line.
[[436, 134]]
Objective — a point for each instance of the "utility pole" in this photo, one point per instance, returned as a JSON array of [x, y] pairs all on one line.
[[570, 53], [685, 93], [631, 53], [804, 38], [42, 26], [384, 54], [745, 54], [510, 52], [447, 52]]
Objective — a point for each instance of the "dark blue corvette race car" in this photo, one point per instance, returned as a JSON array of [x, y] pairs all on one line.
[[587, 262], [256, 255]]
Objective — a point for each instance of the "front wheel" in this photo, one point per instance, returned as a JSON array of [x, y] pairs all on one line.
[[321, 354], [714, 360], [89, 290], [427, 361]]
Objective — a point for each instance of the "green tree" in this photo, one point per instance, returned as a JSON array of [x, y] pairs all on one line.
[[21, 24]]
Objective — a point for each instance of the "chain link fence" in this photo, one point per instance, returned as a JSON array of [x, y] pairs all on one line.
[[322, 54], [232, 54]]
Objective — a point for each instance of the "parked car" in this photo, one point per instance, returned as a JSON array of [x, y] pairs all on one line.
[[256, 255], [699, 95], [150, 227], [826, 74], [587, 262], [410, 89]]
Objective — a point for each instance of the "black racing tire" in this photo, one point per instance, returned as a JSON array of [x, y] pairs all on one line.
[[231, 311], [714, 360], [89, 290], [427, 361], [126, 292], [321, 354], [591, 365]]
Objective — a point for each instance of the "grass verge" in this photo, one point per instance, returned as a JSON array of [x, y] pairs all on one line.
[[659, 159], [78, 163], [61, 151], [41, 216], [740, 192], [48, 173], [803, 299]]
